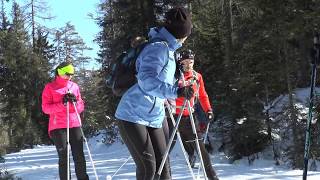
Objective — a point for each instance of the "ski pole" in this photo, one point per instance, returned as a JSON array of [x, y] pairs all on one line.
[[158, 174], [194, 131], [68, 141], [85, 140], [204, 142], [120, 167], [180, 141], [315, 62], [196, 138]]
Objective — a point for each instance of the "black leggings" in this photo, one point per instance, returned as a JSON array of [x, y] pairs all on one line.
[[147, 147], [188, 139], [59, 137]]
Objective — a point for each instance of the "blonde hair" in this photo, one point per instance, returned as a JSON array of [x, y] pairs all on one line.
[[182, 40], [137, 41]]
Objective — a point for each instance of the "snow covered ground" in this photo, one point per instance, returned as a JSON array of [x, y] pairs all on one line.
[[40, 163]]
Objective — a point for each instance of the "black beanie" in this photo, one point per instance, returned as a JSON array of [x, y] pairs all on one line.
[[186, 54], [178, 22]]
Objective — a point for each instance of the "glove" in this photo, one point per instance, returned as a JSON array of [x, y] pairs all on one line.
[[69, 97], [186, 92], [210, 116], [202, 127], [177, 73]]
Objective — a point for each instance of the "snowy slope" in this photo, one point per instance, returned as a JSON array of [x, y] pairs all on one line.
[[40, 163]]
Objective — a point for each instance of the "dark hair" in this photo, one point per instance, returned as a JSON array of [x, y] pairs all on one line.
[[61, 65]]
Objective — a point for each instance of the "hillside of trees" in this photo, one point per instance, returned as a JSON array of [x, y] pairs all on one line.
[[250, 53]]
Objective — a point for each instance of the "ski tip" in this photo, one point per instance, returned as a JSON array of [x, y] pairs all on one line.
[[109, 177]]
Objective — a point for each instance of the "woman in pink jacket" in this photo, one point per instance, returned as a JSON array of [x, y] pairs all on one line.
[[55, 96]]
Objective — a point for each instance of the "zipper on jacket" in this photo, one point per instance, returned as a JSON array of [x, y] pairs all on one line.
[[154, 104], [54, 120]]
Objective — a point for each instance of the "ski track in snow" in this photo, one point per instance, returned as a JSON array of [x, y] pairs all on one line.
[[41, 163]]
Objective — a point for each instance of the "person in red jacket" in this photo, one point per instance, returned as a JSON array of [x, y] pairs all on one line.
[[55, 96], [191, 77]]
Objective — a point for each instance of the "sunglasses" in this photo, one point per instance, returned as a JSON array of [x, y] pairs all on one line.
[[68, 74]]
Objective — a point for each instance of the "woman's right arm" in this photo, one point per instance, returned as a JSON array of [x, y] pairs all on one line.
[[48, 106], [155, 58]]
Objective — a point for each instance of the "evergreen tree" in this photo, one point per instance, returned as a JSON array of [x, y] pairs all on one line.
[[16, 61], [69, 45], [24, 75], [37, 9], [43, 52], [121, 21]]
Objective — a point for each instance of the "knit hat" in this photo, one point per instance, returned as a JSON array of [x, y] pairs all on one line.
[[186, 54], [178, 22]]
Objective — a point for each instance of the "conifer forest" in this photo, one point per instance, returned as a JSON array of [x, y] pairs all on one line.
[[253, 55]]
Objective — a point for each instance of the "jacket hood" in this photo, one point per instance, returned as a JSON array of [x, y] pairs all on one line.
[[164, 34]]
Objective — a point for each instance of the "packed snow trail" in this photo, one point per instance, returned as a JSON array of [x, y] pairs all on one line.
[[42, 163]]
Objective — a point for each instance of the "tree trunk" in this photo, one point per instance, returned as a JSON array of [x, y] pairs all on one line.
[[33, 24], [292, 110], [3, 18], [268, 121], [228, 34]]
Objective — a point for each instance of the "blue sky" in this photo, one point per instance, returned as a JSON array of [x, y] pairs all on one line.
[[76, 12]]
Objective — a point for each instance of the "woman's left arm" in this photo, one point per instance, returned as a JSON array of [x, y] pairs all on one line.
[[80, 103], [203, 96]]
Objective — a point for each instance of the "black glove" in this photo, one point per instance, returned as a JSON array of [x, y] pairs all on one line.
[[69, 97], [186, 92], [177, 73], [210, 116]]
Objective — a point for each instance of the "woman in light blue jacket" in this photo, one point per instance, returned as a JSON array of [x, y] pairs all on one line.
[[141, 109]]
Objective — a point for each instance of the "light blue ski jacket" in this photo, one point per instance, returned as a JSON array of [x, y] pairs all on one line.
[[143, 103]]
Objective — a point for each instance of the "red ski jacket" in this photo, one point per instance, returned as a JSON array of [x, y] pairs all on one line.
[[194, 78]]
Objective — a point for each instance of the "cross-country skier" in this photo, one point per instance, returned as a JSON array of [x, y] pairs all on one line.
[[55, 96], [141, 109], [193, 78]]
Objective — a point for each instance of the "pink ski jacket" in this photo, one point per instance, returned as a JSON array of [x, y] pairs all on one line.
[[52, 104]]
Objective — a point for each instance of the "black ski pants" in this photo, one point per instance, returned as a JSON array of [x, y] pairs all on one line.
[[59, 137], [147, 146], [188, 139]]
